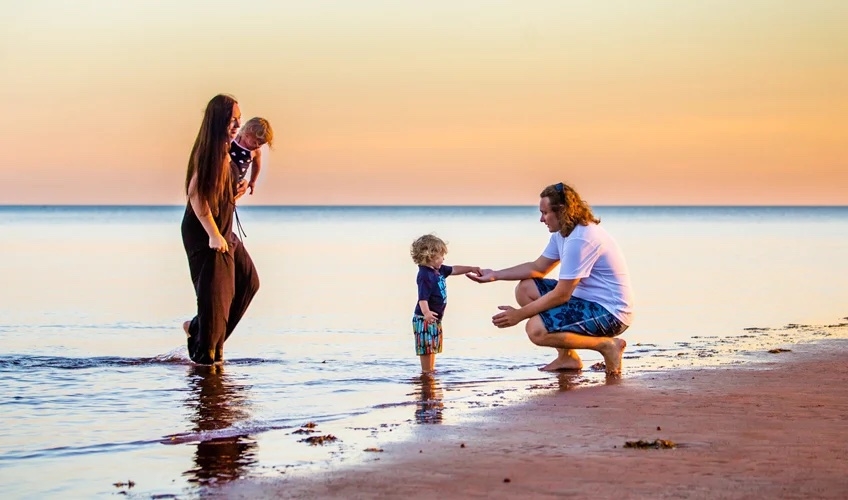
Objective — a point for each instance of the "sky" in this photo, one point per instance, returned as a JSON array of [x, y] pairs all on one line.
[[433, 103]]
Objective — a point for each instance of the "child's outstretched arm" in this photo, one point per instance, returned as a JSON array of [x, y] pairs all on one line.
[[465, 270], [254, 169]]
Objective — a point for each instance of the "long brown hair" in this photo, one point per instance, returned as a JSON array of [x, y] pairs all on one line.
[[209, 154], [570, 208]]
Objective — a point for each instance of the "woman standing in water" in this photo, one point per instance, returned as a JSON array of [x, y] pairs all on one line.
[[222, 272]]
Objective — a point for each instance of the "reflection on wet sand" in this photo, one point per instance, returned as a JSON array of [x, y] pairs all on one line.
[[217, 402], [567, 380], [428, 409]]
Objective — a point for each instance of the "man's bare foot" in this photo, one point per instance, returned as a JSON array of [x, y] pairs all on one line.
[[613, 353], [557, 365], [565, 360], [186, 324]]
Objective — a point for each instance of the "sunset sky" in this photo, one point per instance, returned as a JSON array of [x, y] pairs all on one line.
[[439, 102]]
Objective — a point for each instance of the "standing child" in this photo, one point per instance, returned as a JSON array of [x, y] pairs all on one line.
[[245, 149], [429, 252]]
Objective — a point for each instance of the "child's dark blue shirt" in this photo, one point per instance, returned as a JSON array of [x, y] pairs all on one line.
[[240, 157], [433, 289]]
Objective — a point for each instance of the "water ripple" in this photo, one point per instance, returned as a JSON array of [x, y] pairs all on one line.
[[14, 362]]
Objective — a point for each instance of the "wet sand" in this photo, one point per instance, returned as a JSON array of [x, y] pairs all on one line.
[[777, 429]]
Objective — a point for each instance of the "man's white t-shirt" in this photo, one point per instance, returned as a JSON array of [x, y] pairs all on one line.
[[590, 253]]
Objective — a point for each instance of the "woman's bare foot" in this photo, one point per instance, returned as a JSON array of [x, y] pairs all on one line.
[[186, 324], [567, 359], [613, 352]]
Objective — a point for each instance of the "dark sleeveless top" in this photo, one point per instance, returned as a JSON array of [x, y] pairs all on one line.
[[196, 240], [240, 158]]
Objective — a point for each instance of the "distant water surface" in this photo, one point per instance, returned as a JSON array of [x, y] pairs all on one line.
[[98, 390]]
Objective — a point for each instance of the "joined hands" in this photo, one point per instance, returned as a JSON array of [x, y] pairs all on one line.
[[482, 276]]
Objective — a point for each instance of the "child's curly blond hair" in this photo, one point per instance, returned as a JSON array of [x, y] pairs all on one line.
[[260, 128], [426, 248]]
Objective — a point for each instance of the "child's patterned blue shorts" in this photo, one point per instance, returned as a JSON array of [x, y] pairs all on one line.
[[428, 338], [578, 315]]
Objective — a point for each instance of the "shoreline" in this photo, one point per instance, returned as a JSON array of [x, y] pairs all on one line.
[[777, 428]]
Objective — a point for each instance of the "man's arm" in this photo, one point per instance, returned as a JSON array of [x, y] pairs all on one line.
[[510, 316], [556, 297], [538, 268]]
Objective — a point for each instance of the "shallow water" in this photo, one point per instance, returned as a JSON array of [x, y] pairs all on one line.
[[98, 389]]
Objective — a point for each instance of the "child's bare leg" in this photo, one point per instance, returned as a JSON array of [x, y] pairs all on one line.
[[428, 362], [186, 325]]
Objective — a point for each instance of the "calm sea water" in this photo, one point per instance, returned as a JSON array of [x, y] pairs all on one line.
[[98, 391]]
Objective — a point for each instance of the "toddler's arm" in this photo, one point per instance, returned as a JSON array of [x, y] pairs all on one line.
[[254, 169], [465, 270], [429, 316]]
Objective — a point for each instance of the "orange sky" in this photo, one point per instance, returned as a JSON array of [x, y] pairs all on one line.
[[440, 102]]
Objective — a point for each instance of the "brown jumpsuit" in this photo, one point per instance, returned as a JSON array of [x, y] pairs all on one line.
[[224, 283]]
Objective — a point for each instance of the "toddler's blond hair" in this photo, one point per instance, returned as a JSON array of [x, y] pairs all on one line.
[[259, 128], [426, 247]]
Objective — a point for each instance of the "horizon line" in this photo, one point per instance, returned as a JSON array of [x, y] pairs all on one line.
[[171, 205]]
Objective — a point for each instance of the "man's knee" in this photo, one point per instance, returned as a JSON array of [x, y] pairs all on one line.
[[526, 291], [536, 332]]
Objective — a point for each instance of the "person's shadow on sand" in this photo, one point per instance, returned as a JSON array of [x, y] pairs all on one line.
[[217, 403], [429, 407]]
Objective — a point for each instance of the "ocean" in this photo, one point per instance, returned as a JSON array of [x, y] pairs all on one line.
[[99, 397]]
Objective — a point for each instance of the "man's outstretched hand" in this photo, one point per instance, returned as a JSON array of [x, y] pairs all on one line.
[[484, 276]]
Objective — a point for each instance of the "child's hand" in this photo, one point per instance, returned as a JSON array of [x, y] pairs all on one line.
[[475, 271], [251, 186], [430, 317]]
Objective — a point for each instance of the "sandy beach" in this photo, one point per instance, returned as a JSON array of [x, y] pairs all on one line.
[[777, 429]]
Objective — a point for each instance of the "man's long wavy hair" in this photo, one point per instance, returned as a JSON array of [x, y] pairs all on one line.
[[570, 208], [209, 154]]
